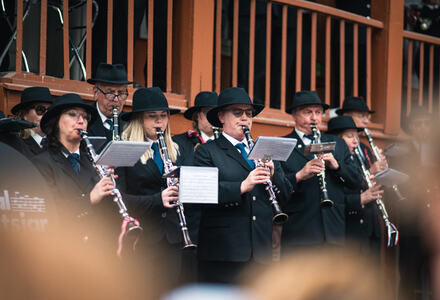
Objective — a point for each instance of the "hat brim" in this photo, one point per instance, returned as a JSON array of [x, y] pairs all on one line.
[[324, 106], [20, 106], [337, 130], [12, 125], [188, 114], [213, 113], [341, 111], [127, 116], [55, 111], [94, 81]]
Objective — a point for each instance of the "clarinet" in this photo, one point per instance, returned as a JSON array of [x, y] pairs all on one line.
[[325, 199], [376, 153], [116, 136], [391, 228], [278, 216], [216, 131], [133, 227], [168, 167]]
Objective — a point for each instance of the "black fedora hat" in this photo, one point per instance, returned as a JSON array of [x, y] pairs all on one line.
[[354, 103], [203, 99], [112, 74], [32, 95], [303, 98], [341, 123], [63, 102], [231, 96], [148, 99]]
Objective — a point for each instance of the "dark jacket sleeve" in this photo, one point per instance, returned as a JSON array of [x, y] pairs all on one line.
[[138, 204], [229, 191], [282, 183], [348, 171], [353, 201]]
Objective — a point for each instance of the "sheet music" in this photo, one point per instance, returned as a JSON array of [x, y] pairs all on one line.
[[97, 141], [320, 148], [198, 185], [390, 177], [122, 153], [275, 148]]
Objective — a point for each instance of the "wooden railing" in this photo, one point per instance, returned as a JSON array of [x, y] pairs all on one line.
[[321, 47], [427, 94], [194, 59]]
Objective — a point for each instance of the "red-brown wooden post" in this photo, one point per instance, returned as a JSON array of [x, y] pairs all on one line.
[[193, 48], [387, 63]]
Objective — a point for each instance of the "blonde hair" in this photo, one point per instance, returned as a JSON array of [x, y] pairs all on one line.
[[134, 132], [24, 133]]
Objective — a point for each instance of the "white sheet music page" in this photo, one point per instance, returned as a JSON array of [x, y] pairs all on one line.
[[275, 148], [198, 185], [122, 153]]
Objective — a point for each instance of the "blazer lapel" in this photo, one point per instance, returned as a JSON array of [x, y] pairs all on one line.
[[233, 152], [299, 148], [152, 168], [67, 168]]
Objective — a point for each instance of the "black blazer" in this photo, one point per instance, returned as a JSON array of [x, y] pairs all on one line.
[[239, 228], [187, 146], [145, 180], [72, 194], [33, 146], [308, 223], [97, 127], [16, 142], [362, 221]]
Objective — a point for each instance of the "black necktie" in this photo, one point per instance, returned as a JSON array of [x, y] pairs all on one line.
[[240, 146], [74, 161]]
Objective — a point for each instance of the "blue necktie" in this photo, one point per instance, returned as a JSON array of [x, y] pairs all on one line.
[[74, 161], [157, 158], [109, 122], [244, 154], [310, 137]]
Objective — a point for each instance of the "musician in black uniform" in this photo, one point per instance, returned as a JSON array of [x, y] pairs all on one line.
[[309, 224], [9, 130], [110, 90], [358, 109], [238, 230], [34, 103], [162, 238], [75, 184], [362, 216], [202, 131]]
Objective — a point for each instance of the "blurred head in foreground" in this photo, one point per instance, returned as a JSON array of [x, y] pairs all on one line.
[[332, 274]]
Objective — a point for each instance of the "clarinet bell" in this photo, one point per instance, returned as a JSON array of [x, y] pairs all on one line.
[[133, 229], [187, 243], [189, 246], [280, 219], [327, 203]]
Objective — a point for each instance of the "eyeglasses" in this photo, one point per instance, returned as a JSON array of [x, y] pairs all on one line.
[[76, 114], [40, 109], [122, 96], [239, 112]]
